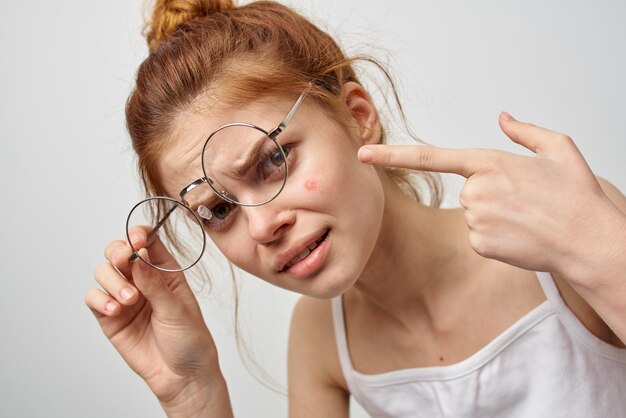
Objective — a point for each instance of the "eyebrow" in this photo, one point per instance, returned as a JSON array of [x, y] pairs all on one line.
[[251, 159]]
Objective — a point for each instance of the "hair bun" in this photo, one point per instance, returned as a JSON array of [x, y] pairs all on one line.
[[167, 15]]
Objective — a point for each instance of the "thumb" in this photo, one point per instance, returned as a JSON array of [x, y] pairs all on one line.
[[524, 134], [541, 141], [153, 285]]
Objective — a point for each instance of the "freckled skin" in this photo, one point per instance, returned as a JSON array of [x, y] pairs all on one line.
[[310, 185]]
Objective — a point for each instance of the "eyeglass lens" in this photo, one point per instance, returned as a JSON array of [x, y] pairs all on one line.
[[243, 165], [173, 226]]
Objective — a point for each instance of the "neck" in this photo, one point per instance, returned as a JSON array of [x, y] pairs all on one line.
[[418, 259]]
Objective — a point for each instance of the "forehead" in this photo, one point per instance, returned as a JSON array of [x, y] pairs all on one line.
[[180, 163]]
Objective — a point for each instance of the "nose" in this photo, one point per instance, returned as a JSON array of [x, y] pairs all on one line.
[[268, 222]]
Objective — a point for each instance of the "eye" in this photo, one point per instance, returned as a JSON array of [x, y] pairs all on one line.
[[276, 157], [273, 163], [217, 215], [222, 210]]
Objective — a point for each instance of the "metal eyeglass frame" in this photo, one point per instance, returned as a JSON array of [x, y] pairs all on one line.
[[273, 134]]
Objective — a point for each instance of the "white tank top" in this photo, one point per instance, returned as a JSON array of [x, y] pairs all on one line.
[[547, 364]]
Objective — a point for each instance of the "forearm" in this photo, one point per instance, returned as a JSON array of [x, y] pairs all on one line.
[[596, 267], [201, 400]]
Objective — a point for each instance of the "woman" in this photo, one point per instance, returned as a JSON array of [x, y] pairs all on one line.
[[400, 308]]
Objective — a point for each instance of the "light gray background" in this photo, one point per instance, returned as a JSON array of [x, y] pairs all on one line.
[[68, 179]]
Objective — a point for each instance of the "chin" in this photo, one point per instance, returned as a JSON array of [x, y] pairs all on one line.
[[330, 285]]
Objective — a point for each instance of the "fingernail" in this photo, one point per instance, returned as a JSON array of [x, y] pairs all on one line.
[[127, 293], [506, 116], [134, 238], [365, 155], [110, 307]]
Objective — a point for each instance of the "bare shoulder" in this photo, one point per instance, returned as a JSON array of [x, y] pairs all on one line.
[[316, 383], [312, 337], [313, 313]]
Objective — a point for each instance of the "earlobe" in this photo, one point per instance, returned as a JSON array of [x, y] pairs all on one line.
[[360, 105]]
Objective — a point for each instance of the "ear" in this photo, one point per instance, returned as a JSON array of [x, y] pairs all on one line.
[[360, 105]]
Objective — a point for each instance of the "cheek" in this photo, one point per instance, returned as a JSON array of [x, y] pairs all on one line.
[[310, 185], [234, 244]]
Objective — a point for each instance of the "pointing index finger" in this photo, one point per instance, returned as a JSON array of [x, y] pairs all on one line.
[[419, 157]]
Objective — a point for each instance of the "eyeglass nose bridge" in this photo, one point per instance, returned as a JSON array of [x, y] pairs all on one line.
[[198, 182], [192, 186], [223, 193]]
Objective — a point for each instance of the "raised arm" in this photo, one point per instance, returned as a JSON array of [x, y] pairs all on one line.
[[547, 212], [153, 320], [599, 273]]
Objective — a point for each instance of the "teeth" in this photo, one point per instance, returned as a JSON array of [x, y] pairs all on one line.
[[304, 254], [299, 257]]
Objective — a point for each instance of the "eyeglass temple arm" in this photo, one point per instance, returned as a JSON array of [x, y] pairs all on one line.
[[282, 125], [154, 230], [159, 224], [182, 194], [192, 186]]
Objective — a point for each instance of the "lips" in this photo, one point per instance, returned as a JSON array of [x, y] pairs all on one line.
[[300, 252]]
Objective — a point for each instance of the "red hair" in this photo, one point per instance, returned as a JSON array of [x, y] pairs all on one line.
[[232, 55]]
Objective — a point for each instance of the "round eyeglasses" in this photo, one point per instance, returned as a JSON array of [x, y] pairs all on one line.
[[243, 164]]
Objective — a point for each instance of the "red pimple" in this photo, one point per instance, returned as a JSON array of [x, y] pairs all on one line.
[[310, 185]]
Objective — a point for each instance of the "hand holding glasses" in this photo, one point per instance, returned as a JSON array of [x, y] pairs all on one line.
[[242, 163]]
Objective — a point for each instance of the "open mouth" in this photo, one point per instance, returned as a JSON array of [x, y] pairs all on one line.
[[306, 252]]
